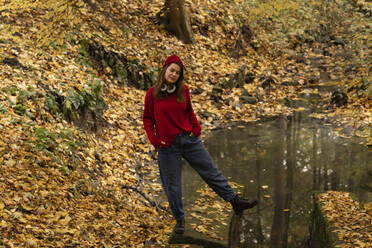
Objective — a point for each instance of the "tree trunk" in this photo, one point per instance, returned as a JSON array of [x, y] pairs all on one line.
[[235, 230], [291, 160], [177, 20], [278, 228]]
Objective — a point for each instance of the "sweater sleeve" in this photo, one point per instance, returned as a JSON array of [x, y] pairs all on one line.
[[196, 129], [148, 119]]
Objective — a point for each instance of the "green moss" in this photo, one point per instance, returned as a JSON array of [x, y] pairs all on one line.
[[320, 229], [125, 71]]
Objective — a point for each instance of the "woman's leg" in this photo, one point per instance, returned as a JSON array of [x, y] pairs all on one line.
[[170, 165], [198, 157]]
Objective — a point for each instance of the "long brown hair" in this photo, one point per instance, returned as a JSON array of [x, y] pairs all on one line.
[[180, 87]]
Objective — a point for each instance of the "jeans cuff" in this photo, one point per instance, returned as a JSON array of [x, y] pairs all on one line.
[[230, 198]]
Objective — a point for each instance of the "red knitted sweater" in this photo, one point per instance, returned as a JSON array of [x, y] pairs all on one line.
[[165, 119]]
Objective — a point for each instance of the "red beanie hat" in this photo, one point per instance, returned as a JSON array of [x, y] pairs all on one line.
[[173, 59]]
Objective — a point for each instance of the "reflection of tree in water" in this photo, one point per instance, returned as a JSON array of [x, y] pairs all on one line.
[[293, 158]]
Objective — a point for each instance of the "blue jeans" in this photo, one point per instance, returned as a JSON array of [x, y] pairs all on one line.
[[170, 164]]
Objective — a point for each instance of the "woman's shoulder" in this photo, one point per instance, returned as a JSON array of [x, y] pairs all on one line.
[[150, 93], [150, 90], [187, 91]]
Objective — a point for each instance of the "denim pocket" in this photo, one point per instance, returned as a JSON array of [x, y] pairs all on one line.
[[162, 149], [194, 138], [168, 149]]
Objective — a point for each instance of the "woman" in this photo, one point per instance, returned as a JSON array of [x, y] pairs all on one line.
[[173, 129]]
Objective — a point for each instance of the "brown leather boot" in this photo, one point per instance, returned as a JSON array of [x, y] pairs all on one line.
[[240, 204]]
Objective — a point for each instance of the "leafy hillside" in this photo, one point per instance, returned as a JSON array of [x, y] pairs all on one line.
[[76, 167]]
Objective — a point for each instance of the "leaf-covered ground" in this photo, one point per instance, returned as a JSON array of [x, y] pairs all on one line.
[[62, 184], [351, 223]]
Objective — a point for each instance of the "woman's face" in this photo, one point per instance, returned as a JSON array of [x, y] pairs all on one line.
[[173, 73]]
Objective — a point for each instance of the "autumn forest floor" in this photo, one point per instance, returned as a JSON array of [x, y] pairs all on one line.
[[76, 169]]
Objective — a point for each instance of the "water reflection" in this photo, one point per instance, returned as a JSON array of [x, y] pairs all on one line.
[[282, 162]]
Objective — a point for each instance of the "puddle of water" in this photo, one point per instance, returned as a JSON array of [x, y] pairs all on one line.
[[282, 162]]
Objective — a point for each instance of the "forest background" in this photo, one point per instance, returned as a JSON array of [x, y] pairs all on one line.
[[76, 166]]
